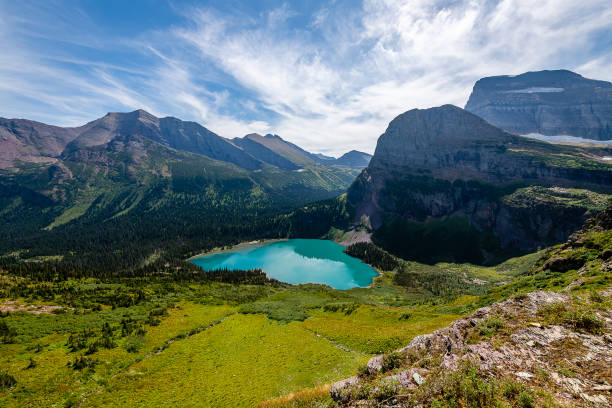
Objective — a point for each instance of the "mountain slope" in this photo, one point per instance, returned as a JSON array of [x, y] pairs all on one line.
[[113, 192], [31, 142], [540, 348], [445, 185], [545, 102], [274, 150], [170, 132]]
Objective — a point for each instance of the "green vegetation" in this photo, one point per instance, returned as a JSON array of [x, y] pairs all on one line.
[[468, 387], [373, 255], [580, 317], [126, 340], [169, 333], [450, 239], [120, 340], [557, 197]]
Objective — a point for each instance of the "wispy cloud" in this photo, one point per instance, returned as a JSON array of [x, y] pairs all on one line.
[[331, 84]]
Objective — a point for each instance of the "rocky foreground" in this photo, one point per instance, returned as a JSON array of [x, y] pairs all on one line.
[[539, 349]]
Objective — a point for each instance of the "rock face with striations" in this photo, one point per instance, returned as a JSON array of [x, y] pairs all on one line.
[[445, 174], [550, 103]]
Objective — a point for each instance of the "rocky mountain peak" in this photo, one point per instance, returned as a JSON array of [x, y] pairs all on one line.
[[425, 137], [550, 103]]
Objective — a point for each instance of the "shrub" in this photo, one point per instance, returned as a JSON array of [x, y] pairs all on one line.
[[82, 362], [78, 341], [511, 389], [363, 371], [390, 361], [596, 297], [360, 392], [134, 343], [347, 308], [106, 342], [107, 330], [93, 348], [584, 320], [490, 326], [7, 334], [385, 389], [577, 317], [152, 321], [464, 387], [525, 400], [7, 381], [31, 364]]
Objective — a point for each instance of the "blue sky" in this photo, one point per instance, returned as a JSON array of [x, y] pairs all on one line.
[[327, 75]]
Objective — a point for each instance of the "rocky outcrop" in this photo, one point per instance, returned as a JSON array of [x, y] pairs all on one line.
[[524, 345], [446, 162], [545, 102]]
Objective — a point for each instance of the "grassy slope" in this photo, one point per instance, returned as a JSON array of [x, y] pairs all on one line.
[[243, 360], [313, 335]]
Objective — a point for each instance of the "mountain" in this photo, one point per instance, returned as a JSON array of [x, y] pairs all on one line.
[[446, 185], [26, 140], [354, 158], [545, 102], [274, 150], [132, 182]]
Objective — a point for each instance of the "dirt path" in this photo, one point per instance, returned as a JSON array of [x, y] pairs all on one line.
[[337, 345]]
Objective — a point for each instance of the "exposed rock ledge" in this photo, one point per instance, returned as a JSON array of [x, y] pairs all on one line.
[[577, 364]]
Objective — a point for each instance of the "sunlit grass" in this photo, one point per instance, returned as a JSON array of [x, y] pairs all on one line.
[[244, 360]]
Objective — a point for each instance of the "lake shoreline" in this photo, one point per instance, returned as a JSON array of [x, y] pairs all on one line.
[[220, 250], [351, 269]]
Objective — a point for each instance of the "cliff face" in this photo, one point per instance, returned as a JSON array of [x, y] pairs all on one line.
[[546, 102], [445, 163]]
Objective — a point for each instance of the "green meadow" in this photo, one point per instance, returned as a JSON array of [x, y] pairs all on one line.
[[134, 342]]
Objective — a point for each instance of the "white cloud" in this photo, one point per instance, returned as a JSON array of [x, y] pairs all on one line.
[[330, 86], [399, 55]]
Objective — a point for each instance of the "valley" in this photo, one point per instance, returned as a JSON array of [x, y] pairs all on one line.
[[148, 261]]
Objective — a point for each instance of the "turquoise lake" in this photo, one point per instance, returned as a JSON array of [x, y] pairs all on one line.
[[296, 261]]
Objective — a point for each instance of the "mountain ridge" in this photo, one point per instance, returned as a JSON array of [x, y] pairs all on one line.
[[23, 140]]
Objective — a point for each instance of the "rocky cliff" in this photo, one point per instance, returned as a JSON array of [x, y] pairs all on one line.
[[512, 353], [446, 174], [545, 102], [540, 348]]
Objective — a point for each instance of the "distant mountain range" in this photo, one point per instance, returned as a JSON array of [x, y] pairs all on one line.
[[25, 141], [551, 103]]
